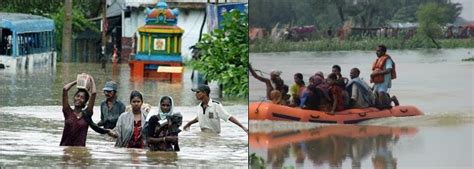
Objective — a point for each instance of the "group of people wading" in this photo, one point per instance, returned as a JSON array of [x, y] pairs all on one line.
[[136, 126], [335, 93]]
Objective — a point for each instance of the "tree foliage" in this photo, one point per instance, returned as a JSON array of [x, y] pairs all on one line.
[[82, 9], [431, 19], [224, 54], [333, 13]]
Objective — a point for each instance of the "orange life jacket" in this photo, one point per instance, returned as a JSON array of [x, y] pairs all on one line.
[[379, 65]]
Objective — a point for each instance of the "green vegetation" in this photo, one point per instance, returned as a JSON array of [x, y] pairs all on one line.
[[431, 18], [256, 162], [266, 45], [54, 9], [326, 14], [224, 54], [471, 59]]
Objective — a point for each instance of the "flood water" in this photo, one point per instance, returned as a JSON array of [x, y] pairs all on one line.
[[31, 122], [435, 81]]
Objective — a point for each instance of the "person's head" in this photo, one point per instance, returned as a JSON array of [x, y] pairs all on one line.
[[166, 104], [336, 69], [298, 77], [110, 89], [332, 77], [355, 72], [275, 77], [318, 80], [311, 80], [136, 101], [381, 50], [202, 91], [320, 74], [80, 98]]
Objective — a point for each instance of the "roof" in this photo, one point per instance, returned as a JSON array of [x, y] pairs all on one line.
[[23, 23]]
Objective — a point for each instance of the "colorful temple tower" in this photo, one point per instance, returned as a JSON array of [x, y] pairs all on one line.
[[159, 51]]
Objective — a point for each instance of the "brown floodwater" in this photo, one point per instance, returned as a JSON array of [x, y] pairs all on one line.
[[435, 81], [31, 122]]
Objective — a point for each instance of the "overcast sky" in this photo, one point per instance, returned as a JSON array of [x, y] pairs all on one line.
[[467, 9]]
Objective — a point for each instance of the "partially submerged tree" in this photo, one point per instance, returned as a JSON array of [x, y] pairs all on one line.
[[431, 18]]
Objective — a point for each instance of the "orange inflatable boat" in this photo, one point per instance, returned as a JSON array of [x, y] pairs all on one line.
[[277, 139], [270, 111]]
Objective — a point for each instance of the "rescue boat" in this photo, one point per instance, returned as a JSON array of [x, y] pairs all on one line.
[[270, 111]]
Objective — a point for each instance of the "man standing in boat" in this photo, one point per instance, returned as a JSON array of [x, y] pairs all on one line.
[[209, 113], [383, 72]]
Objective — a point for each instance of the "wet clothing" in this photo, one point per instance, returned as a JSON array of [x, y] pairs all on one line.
[[295, 89], [126, 127], [108, 118], [164, 131], [136, 140], [383, 63], [75, 129], [337, 94], [360, 91], [209, 117]]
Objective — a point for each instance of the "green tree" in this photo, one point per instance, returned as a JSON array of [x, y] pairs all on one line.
[[224, 54], [432, 17], [82, 9]]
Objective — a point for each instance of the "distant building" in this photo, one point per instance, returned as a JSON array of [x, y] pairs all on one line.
[[124, 17]]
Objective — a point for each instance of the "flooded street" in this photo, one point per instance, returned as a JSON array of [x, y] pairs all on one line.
[[31, 122], [435, 81]]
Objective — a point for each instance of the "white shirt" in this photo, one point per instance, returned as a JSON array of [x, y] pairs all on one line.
[[210, 119]]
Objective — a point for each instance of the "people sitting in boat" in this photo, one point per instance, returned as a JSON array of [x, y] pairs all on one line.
[[336, 94], [305, 93], [297, 89], [383, 72], [275, 78], [315, 99], [285, 97], [360, 94], [337, 70], [275, 97]]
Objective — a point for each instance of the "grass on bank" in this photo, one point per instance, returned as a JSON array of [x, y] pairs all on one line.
[[267, 45]]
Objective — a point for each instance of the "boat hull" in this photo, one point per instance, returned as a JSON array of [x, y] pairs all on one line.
[[270, 111]]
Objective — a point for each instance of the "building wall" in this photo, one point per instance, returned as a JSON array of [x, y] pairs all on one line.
[[190, 22]]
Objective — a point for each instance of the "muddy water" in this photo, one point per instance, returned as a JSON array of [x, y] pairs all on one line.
[[435, 81], [31, 122]]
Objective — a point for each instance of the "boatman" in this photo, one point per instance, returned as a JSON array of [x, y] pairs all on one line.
[[209, 112], [383, 72]]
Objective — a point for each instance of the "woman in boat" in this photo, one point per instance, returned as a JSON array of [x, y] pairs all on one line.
[[297, 90], [336, 93]]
